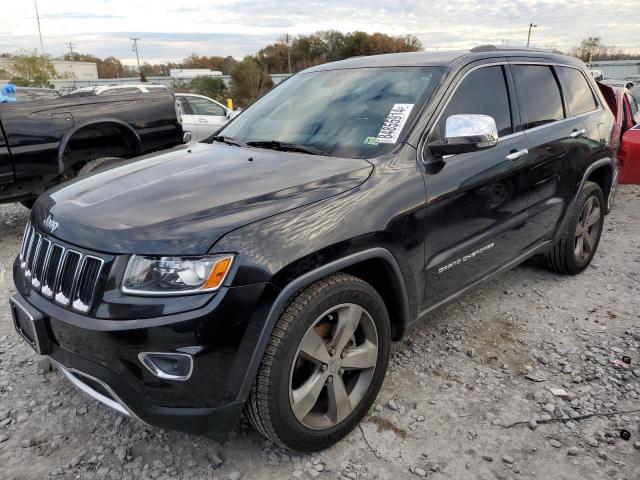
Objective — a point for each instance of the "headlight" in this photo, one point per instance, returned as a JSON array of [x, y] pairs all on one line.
[[147, 275]]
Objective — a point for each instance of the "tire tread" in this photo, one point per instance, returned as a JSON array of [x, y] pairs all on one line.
[[257, 406]]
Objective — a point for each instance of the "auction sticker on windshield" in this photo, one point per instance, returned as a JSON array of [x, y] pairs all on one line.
[[396, 119]]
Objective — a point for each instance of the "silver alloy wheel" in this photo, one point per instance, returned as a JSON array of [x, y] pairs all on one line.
[[587, 229], [333, 366]]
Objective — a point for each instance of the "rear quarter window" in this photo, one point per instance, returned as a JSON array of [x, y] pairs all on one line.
[[540, 98], [577, 93]]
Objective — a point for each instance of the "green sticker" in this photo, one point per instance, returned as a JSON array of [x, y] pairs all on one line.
[[371, 141]]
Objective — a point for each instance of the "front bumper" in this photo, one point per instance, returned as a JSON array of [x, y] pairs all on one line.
[[101, 357], [102, 385]]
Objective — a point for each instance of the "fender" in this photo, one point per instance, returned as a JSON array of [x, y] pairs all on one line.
[[64, 141], [590, 169], [306, 280]]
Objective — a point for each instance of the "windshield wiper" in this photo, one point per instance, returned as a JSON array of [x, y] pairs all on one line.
[[227, 140], [285, 147]]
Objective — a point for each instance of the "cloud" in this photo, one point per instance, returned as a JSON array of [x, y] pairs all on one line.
[[172, 30], [78, 16]]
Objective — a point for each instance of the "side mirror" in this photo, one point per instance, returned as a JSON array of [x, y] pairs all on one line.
[[466, 133]]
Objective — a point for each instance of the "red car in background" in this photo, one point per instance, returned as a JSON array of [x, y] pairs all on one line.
[[626, 136]]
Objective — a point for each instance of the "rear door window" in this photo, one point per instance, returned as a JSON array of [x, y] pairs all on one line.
[[577, 92], [484, 91], [541, 102]]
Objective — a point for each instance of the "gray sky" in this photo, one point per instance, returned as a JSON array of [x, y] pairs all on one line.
[[171, 30]]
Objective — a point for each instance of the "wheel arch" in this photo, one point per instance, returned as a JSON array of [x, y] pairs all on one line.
[[391, 286], [604, 169], [130, 136], [603, 175]]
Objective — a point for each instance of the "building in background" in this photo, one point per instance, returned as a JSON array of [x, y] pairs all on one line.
[[70, 84], [193, 73], [76, 70]]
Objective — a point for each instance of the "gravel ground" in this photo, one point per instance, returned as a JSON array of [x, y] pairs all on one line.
[[456, 387]]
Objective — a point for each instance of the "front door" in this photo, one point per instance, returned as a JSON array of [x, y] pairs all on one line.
[[476, 201]]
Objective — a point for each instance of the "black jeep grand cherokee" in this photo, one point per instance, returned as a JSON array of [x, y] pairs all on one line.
[[269, 268]]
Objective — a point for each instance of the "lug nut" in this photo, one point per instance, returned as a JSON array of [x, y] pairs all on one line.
[[332, 352], [343, 354], [324, 367], [330, 380]]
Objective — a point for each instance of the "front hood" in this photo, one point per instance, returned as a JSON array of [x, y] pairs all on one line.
[[183, 201]]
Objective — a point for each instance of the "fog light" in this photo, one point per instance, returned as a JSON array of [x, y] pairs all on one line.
[[168, 366]]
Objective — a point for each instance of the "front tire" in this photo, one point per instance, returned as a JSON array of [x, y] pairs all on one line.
[[578, 243], [324, 364]]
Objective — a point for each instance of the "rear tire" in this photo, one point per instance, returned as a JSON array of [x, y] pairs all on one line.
[[97, 165], [578, 243], [324, 364]]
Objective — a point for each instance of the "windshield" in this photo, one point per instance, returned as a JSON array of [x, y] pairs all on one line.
[[354, 113]]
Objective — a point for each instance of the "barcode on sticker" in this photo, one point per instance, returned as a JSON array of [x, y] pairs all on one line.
[[396, 119]]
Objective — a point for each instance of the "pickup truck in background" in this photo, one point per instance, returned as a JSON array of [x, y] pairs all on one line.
[[47, 142]]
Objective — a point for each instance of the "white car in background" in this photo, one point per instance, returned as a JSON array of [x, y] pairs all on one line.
[[202, 116]]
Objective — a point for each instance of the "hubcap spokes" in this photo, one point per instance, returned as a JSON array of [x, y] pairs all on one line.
[[587, 229], [333, 366]]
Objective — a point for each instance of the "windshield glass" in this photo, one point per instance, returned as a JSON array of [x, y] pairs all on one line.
[[338, 112]]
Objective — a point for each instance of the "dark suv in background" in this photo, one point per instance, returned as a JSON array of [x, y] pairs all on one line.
[[269, 268]]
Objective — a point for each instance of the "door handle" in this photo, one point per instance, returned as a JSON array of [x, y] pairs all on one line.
[[202, 120], [515, 155], [577, 133]]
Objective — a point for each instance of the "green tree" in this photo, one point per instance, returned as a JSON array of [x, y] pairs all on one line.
[[111, 67], [81, 57], [330, 45], [32, 70], [213, 87], [250, 80], [594, 49]]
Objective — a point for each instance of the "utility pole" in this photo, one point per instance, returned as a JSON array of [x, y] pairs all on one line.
[[531, 25], [288, 52], [135, 49], [70, 45], [39, 31]]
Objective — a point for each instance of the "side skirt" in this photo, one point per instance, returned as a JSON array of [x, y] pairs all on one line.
[[516, 261]]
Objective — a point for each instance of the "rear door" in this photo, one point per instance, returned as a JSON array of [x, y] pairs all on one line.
[[559, 146], [476, 201]]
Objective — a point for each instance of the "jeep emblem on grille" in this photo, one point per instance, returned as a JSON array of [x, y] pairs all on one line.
[[50, 223]]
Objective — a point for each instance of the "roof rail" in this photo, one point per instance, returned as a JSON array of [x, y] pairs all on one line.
[[493, 48]]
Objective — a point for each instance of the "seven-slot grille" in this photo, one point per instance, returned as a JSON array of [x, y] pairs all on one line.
[[67, 276]]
